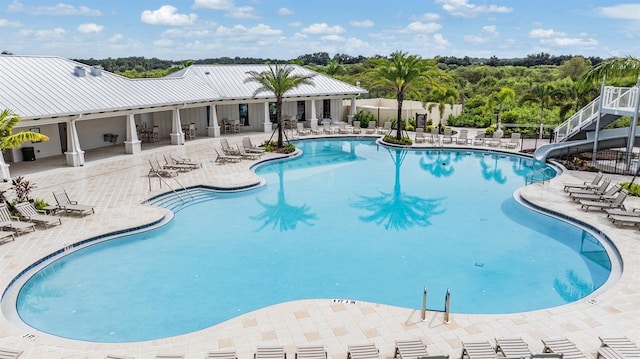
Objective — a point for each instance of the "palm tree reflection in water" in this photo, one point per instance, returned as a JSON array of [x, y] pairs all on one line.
[[282, 215], [438, 166], [492, 172], [396, 209]]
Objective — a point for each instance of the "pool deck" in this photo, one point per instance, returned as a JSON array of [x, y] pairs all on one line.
[[117, 184]]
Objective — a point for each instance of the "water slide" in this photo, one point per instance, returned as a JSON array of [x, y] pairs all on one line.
[[607, 139]]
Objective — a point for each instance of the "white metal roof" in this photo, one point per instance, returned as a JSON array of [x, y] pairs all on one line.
[[43, 87]]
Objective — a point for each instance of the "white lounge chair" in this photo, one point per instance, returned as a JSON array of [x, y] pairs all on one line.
[[618, 202], [602, 188], [410, 349], [420, 138], [301, 130], [311, 352], [356, 127], [250, 147], [364, 351], [18, 227], [479, 138], [248, 155], [170, 356], [9, 353], [447, 136], [170, 165], [608, 195], [562, 346], [156, 170], [185, 161], [111, 356], [513, 347], [224, 158], [371, 127], [69, 206], [263, 352], [222, 355], [385, 129], [618, 347], [478, 350], [434, 136], [462, 138], [495, 140], [514, 141], [30, 213], [594, 183], [228, 150]]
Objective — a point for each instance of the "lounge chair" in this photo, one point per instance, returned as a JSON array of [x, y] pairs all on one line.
[[356, 127], [111, 356], [410, 349], [18, 227], [222, 355], [371, 127], [364, 351], [224, 158], [513, 347], [311, 352], [495, 140], [4, 237], [513, 142], [69, 206], [585, 185], [479, 139], [608, 195], [618, 202], [624, 220], [185, 161], [301, 130], [250, 147], [9, 354], [478, 350], [170, 165], [170, 356], [248, 155], [156, 170], [434, 136], [562, 346], [342, 128], [30, 213], [447, 136], [315, 129], [463, 137], [623, 212], [419, 137], [601, 189], [270, 353], [618, 347], [385, 129], [327, 129], [228, 150]]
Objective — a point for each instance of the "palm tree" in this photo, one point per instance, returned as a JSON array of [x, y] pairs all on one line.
[[333, 68], [441, 97], [278, 80], [8, 139], [403, 73], [617, 67], [543, 95]]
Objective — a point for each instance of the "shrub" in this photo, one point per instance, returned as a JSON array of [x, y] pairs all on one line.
[[490, 130], [405, 141], [634, 189], [22, 187], [40, 204], [364, 118]]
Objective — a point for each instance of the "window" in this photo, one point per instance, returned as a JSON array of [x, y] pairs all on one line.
[[326, 108], [244, 114], [301, 111], [272, 112]]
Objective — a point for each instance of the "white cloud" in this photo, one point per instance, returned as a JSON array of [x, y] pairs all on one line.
[[181, 33], [571, 41], [418, 26], [491, 29], [243, 12], [285, 12], [90, 28], [116, 38], [59, 9], [462, 8], [167, 15], [44, 35], [323, 29], [363, 23], [296, 24], [621, 11], [440, 41], [8, 23], [475, 39], [544, 33], [429, 16], [332, 38], [164, 43], [213, 4]]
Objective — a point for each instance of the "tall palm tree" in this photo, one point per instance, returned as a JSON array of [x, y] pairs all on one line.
[[333, 68], [543, 95], [403, 73], [278, 80], [441, 97], [617, 67]]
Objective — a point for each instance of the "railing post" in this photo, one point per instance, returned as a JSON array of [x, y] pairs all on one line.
[[424, 305], [447, 305]]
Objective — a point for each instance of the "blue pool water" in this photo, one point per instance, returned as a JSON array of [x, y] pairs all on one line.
[[347, 220]]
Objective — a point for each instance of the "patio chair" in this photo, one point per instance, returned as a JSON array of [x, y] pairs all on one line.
[[356, 127], [594, 183], [447, 136], [185, 161], [247, 155], [495, 140], [623, 212], [222, 355], [191, 131], [169, 165], [30, 213], [69, 206], [269, 353], [608, 195], [9, 353], [420, 138], [410, 349], [618, 347], [364, 351], [479, 138], [5, 236], [618, 202], [18, 227], [625, 220], [250, 147], [385, 129], [513, 142], [562, 346], [170, 356], [513, 347], [478, 350], [434, 136], [311, 352], [327, 129], [601, 189], [111, 356], [301, 130], [224, 158], [228, 150], [315, 130], [462, 138], [371, 127], [156, 170], [342, 128]]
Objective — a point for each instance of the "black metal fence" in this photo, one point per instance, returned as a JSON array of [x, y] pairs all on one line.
[[615, 161]]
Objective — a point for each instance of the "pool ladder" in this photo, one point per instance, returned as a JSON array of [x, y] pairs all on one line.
[[162, 180], [447, 305], [540, 175]]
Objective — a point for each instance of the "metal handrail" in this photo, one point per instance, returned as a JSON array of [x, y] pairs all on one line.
[[531, 178], [424, 305], [183, 187], [161, 181], [447, 305]]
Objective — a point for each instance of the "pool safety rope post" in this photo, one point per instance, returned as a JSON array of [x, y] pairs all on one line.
[[447, 305], [424, 305]]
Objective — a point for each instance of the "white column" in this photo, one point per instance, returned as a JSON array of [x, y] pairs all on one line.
[[352, 110], [74, 154], [177, 136], [132, 143], [214, 127], [267, 121], [4, 168], [314, 119]]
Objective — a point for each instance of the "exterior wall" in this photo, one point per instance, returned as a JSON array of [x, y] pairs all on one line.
[[42, 149], [91, 132], [197, 115], [386, 109]]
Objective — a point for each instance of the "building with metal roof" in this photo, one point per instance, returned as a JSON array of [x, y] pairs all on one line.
[[83, 107]]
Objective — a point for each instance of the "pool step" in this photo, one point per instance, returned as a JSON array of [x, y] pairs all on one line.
[[175, 203]]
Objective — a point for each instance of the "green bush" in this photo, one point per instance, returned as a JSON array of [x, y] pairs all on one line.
[[634, 189], [40, 204], [405, 141], [364, 118], [490, 130]]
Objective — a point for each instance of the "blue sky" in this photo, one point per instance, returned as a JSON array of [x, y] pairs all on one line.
[[285, 29]]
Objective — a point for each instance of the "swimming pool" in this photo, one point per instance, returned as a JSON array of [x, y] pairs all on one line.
[[348, 220]]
